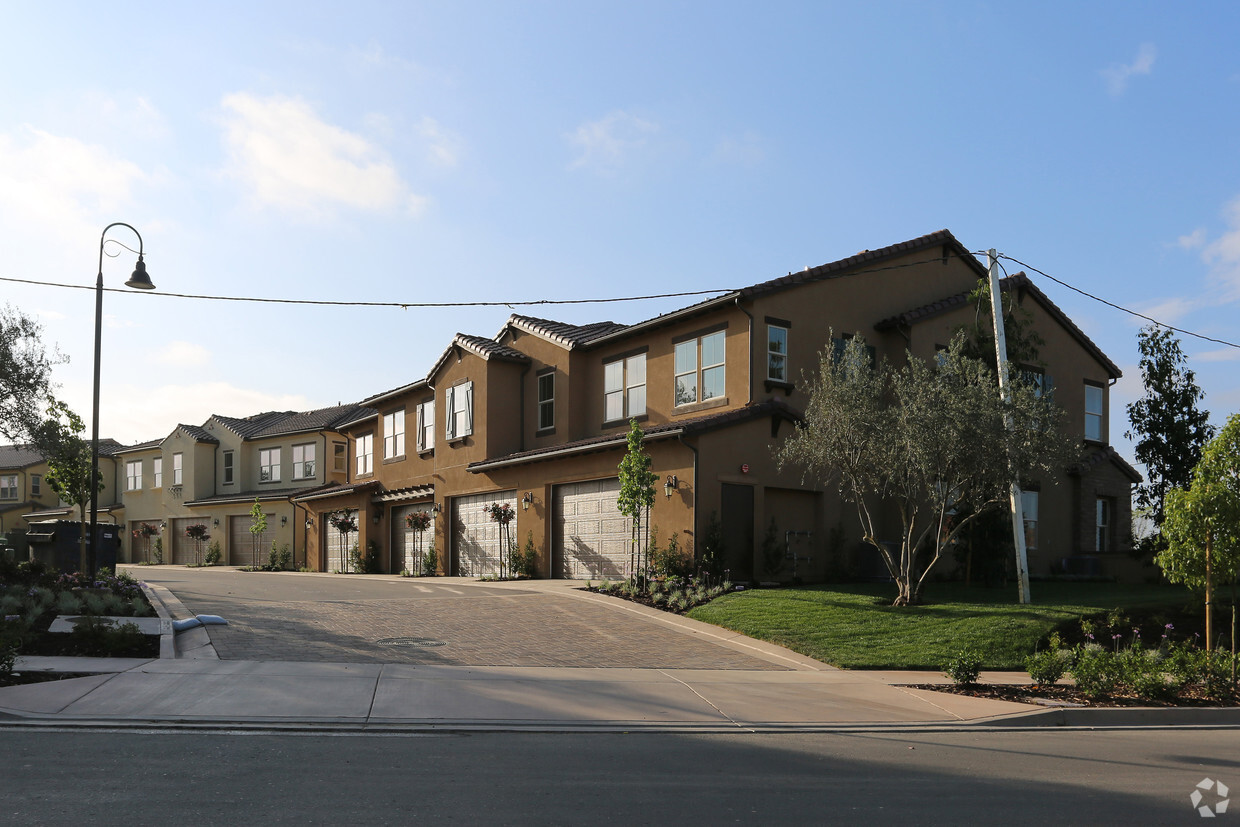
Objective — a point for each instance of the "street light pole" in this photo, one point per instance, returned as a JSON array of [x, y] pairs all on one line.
[[139, 280]]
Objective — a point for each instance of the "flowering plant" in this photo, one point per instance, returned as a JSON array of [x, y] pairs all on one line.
[[501, 513], [197, 531], [418, 520], [343, 521]]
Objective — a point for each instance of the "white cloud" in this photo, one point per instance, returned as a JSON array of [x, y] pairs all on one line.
[[604, 145], [291, 159], [1193, 241], [57, 181], [1170, 310], [744, 151], [442, 147], [1117, 74], [1227, 354], [1223, 254], [182, 355]]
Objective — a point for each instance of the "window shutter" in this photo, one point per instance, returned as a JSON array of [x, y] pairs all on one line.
[[450, 419], [469, 408]]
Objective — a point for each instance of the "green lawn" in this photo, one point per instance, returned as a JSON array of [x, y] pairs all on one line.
[[855, 627]]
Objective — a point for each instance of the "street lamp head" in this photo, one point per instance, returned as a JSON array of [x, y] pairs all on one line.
[[140, 280]]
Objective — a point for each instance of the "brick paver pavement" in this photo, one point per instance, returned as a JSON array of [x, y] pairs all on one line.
[[476, 625]]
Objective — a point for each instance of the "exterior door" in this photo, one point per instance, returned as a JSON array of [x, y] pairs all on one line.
[[736, 505], [475, 537], [591, 538]]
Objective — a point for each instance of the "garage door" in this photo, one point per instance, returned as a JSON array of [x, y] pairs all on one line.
[[241, 549], [591, 537], [184, 550], [407, 553], [337, 551], [475, 538]]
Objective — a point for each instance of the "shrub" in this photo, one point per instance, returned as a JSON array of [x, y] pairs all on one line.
[[670, 561], [523, 562], [68, 603], [213, 553], [430, 563], [1046, 667], [1142, 672], [1095, 671], [964, 668], [157, 551]]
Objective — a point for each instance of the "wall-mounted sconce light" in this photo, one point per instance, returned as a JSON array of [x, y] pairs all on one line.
[[670, 485], [164, 524], [437, 508], [376, 518], [215, 523], [309, 523], [526, 499], [283, 520]]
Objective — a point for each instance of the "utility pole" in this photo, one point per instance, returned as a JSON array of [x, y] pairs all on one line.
[[1005, 390]]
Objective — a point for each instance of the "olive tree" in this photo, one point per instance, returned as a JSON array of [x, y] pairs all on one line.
[[69, 461], [25, 375], [1202, 523], [932, 441]]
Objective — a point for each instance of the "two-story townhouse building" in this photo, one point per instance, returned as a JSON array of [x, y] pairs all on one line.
[[25, 496], [537, 417], [212, 474]]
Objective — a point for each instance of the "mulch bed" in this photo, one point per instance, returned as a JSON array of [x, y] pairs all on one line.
[[1066, 695]]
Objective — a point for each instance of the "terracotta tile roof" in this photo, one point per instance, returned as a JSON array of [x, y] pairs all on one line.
[[1098, 454], [279, 423], [336, 490], [141, 446], [563, 333], [708, 422], [19, 456], [1020, 282], [489, 348], [197, 433]]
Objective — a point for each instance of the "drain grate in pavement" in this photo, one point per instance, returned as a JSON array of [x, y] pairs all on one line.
[[409, 641]]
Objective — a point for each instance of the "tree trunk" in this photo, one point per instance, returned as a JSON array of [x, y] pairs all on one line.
[[1209, 599]]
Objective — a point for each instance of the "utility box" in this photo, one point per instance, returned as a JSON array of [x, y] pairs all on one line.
[[56, 543]]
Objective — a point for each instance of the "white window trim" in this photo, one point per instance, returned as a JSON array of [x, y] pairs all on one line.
[[459, 400], [230, 468], [157, 472], [304, 469], [699, 369], [770, 353], [178, 468], [365, 454], [269, 461], [1095, 416], [548, 403], [8, 483], [394, 434], [627, 386], [426, 425], [133, 481]]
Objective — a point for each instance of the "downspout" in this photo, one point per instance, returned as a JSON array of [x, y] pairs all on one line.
[[749, 376], [696, 516], [521, 402]]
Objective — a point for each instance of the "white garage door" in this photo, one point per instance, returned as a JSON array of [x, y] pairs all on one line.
[[410, 549], [241, 550], [475, 538], [337, 550], [592, 537]]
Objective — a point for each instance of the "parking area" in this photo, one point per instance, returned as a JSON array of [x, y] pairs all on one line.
[[443, 621]]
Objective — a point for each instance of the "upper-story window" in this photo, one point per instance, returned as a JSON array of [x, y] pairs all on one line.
[[1034, 378], [133, 475], [1093, 412], [340, 456], [394, 434], [426, 425], [8, 486], [459, 406], [228, 468], [1102, 524], [36, 485], [700, 368], [269, 465], [366, 454], [157, 469], [303, 461], [776, 353], [177, 468], [546, 401], [624, 388]]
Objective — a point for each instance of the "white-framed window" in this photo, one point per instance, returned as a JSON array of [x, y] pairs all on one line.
[[624, 388], [1093, 412], [366, 454], [8, 486], [133, 475], [303, 461], [340, 456], [36, 485], [228, 468], [776, 353], [269, 465], [426, 425], [1034, 378], [700, 372], [546, 401], [157, 472], [177, 468], [459, 407], [1029, 506], [1102, 524], [394, 434]]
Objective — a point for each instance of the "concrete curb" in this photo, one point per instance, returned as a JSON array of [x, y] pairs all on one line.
[[194, 643]]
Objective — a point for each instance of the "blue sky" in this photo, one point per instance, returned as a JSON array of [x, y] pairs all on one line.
[[499, 151]]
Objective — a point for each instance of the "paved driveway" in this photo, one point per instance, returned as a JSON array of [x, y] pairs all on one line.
[[446, 621]]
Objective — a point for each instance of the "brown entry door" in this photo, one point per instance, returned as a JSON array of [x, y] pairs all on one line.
[[736, 503]]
